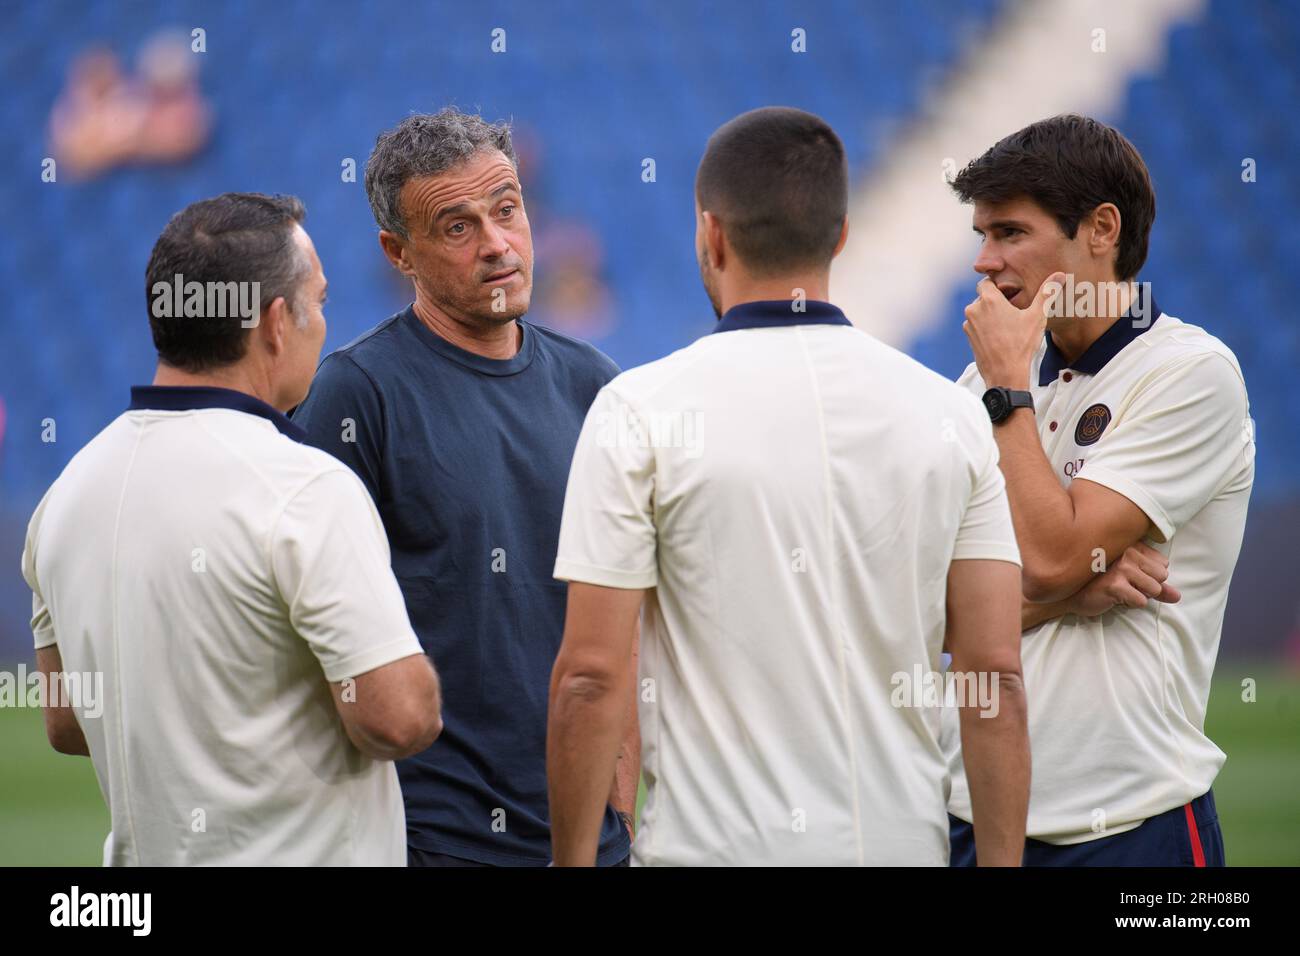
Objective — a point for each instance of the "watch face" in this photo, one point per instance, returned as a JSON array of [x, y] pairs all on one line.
[[996, 402]]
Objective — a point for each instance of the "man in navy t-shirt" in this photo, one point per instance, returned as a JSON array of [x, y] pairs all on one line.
[[461, 419]]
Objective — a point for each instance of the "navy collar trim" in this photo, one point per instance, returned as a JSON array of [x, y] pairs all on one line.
[[774, 313], [184, 398], [1109, 344]]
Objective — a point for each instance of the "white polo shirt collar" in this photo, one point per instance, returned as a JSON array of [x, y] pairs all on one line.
[[184, 398]]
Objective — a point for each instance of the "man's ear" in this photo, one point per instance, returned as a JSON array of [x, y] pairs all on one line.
[[715, 241], [394, 247], [1104, 241], [844, 237], [273, 328]]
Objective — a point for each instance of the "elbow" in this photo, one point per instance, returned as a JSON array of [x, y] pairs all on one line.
[[407, 733], [1037, 589], [1012, 700], [64, 733], [69, 741], [581, 695], [419, 723], [415, 733], [408, 723], [585, 686], [1011, 681], [1043, 581]]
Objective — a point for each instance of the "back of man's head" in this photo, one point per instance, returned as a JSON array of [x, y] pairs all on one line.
[[777, 180], [225, 244]]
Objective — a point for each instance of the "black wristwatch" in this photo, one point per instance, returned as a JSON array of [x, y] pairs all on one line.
[[1001, 402]]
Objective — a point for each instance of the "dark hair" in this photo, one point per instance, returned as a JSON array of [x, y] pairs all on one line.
[[778, 181], [231, 238], [425, 144], [1070, 165]]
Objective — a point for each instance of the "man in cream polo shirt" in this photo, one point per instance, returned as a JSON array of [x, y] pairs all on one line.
[[230, 585], [1121, 428], [795, 503]]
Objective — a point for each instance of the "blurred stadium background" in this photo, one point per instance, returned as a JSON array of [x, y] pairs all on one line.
[[281, 96]]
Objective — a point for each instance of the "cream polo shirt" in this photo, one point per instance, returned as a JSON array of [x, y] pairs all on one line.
[[1157, 411], [792, 492], [218, 575]]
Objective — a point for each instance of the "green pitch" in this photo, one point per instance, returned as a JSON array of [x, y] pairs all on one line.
[[51, 812]]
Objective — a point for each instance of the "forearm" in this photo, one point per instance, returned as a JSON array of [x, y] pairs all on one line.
[[627, 773], [1032, 614], [996, 754], [66, 736], [584, 734], [627, 776], [1042, 511], [61, 727]]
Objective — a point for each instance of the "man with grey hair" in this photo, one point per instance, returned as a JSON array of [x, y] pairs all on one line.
[[461, 419], [228, 586]]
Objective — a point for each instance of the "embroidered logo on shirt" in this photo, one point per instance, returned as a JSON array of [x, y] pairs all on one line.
[[1091, 424]]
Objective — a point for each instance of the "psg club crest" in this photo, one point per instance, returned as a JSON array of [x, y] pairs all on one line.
[[1091, 424]]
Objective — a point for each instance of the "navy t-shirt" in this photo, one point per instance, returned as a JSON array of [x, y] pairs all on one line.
[[467, 459]]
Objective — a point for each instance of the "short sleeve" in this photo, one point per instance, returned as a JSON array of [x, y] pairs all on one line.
[[971, 381], [343, 415], [42, 623], [331, 563], [986, 531], [1183, 438], [607, 533]]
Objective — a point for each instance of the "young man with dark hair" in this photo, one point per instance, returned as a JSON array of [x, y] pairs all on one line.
[[461, 418], [228, 585], [1126, 442], [795, 503]]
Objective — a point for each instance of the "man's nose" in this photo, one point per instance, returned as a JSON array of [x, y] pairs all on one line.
[[495, 243], [988, 262]]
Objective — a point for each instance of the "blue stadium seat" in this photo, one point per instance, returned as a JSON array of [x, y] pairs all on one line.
[[604, 86], [1224, 252]]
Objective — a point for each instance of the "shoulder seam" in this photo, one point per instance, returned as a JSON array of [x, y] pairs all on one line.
[[1204, 354]]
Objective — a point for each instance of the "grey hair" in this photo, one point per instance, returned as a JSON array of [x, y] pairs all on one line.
[[425, 144], [301, 272]]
